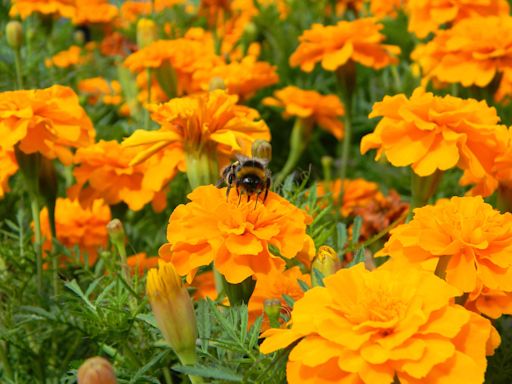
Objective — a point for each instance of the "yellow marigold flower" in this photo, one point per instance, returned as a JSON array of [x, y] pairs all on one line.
[[311, 106], [98, 88], [468, 53], [476, 238], [334, 45], [24, 8], [436, 133], [8, 167], [103, 170], [234, 236], [48, 121], [173, 309], [94, 12], [75, 225], [194, 123], [64, 59], [428, 16], [243, 78], [273, 285], [386, 323], [491, 302]]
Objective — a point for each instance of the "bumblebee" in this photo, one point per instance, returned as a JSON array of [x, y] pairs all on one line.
[[249, 176]]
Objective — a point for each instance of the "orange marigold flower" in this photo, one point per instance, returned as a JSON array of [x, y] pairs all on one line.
[[436, 133], [334, 45], [48, 121], [98, 88], [94, 11], [272, 286], [131, 10], [8, 167], [190, 124], [116, 44], [503, 94], [476, 238], [64, 59], [386, 323], [468, 53], [204, 286], [140, 263], [24, 8], [310, 106], [243, 78], [491, 302], [427, 16], [235, 237], [383, 8], [75, 225], [103, 171]]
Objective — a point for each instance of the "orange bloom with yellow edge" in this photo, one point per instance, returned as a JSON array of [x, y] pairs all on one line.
[[334, 45], [243, 78], [49, 121], [370, 327], [211, 120], [103, 170], [94, 12], [436, 133], [78, 226], [311, 106], [235, 237], [428, 16], [469, 53], [24, 8], [8, 167], [473, 237], [272, 286], [98, 88]]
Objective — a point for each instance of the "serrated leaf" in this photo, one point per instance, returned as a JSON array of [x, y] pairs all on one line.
[[288, 299], [356, 229], [341, 236], [148, 366], [92, 286], [254, 333], [147, 318], [318, 278], [75, 288], [209, 372], [359, 257], [203, 323], [303, 285]]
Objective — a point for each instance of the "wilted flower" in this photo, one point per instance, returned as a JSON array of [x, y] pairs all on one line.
[[474, 239], [24, 8], [103, 170], [236, 237], [370, 327], [75, 225], [468, 53], [8, 167], [274, 285], [173, 310], [428, 16], [310, 106], [48, 121], [334, 45], [436, 133], [96, 370]]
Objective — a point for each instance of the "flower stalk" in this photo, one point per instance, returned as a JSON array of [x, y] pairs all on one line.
[[423, 188], [239, 293], [202, 167]]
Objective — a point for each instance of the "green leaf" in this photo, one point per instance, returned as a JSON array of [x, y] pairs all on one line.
[[75, 288], [148, 366], [147, 318], [358, 257], [341, 232], [289, 300], [318, 277], [303, 285], [210, 372], [204, 327], [356, 229]]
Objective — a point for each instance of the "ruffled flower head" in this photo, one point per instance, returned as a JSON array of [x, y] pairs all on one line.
[[427, 16], [103, 170], [476, 238], [8, 167], [61, 8], [436, 133], [75, 225], [49, 121], [212, 120], [235, 237], [368, 327], [334, 45], [472, 52], [98, 88], [310, 106], [94, 11]]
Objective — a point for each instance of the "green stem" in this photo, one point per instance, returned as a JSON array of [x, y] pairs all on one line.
[[38, 245], [298, 141], [423, 188], [17, 64], [148, 100], [202, 167], [442, 264], [167, 375], [190, 358], [5, 361], [345, 153], [239, 293]]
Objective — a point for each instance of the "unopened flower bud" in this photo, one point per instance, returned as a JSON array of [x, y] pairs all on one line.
[[326, 167], [216, 83], [262, 149], [14, 34], [79, 37], [272, 308], [146, 32], [250, 31], [326, 262], [173, 310], [96, 370], [116, 231]]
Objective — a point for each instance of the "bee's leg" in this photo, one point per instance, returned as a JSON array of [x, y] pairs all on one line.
[[267, 187], [257, 197], [239, 197], [248, 197], [227, 192]]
